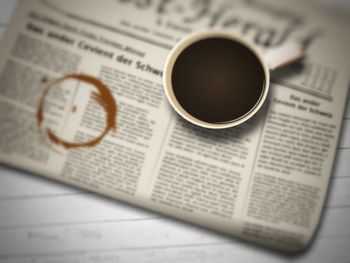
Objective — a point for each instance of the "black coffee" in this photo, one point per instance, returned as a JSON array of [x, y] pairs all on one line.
[[218, 80]]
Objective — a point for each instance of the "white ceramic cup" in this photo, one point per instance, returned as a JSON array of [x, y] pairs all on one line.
[[270, 60]]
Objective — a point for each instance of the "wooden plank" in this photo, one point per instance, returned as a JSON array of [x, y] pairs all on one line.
[[116, 235], [66, 209], [339, 194], [342, 163], [325, 251], [335, 223], [6, 9], [133, 235], [19, 184], [344, 141]]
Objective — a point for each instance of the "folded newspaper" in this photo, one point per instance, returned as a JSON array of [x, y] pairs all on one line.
[[82, 102]]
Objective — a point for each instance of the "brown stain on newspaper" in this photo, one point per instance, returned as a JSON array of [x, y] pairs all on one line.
[[104, 97]]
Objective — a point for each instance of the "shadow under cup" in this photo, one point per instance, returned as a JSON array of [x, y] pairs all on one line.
[[216, 81]]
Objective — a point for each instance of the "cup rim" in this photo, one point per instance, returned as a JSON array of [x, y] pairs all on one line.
[[182, 45]]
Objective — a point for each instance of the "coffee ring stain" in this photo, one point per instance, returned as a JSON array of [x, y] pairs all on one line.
[[104, 97]]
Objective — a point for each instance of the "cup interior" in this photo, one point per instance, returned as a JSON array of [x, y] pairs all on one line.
[[168, 74]]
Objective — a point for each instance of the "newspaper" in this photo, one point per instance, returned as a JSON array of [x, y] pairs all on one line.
[[82, 102]]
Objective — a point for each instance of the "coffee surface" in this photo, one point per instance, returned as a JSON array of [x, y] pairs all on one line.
[[218, 80]]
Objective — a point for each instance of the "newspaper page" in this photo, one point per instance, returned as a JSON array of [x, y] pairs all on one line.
[[82, 102]]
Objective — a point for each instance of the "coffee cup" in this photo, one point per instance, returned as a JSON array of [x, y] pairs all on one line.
[[218, 80]]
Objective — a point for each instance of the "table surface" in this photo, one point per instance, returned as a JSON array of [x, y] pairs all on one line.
[[44, 221]]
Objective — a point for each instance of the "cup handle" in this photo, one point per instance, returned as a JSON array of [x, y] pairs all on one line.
[[283, 55]]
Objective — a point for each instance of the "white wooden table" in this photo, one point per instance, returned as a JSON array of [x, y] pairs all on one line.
[[44, 221]]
